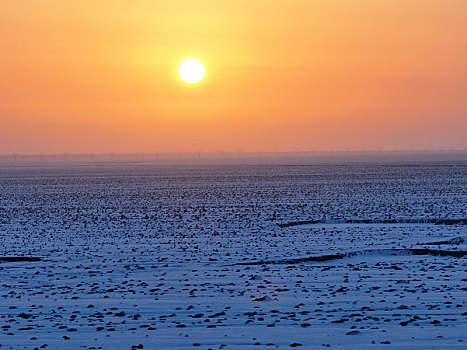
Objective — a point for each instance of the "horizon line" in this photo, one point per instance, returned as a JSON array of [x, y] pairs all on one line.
[[238, 158], [232, 153]]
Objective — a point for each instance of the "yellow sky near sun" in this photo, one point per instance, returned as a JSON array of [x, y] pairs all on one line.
[[101, 75]]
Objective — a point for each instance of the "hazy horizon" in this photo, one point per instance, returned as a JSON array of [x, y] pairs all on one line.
[[238, 158]]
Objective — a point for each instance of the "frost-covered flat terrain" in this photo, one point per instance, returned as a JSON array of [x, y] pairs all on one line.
[[234, 257]]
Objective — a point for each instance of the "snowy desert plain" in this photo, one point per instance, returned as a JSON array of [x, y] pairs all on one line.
[[142, 256]]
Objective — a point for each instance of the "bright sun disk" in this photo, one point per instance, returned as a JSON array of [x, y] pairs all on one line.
[[191, 70]]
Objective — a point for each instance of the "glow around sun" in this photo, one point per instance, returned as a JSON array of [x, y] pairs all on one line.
[[191, 70]]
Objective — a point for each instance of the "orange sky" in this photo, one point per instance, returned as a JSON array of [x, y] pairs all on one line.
[[281, 75]]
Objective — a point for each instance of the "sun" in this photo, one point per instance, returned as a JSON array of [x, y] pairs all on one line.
[[191, 70]]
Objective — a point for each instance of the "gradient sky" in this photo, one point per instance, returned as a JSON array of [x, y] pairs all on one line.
[[281, 75]]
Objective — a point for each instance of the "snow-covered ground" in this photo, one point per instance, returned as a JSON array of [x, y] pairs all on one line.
[[194, 257]]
